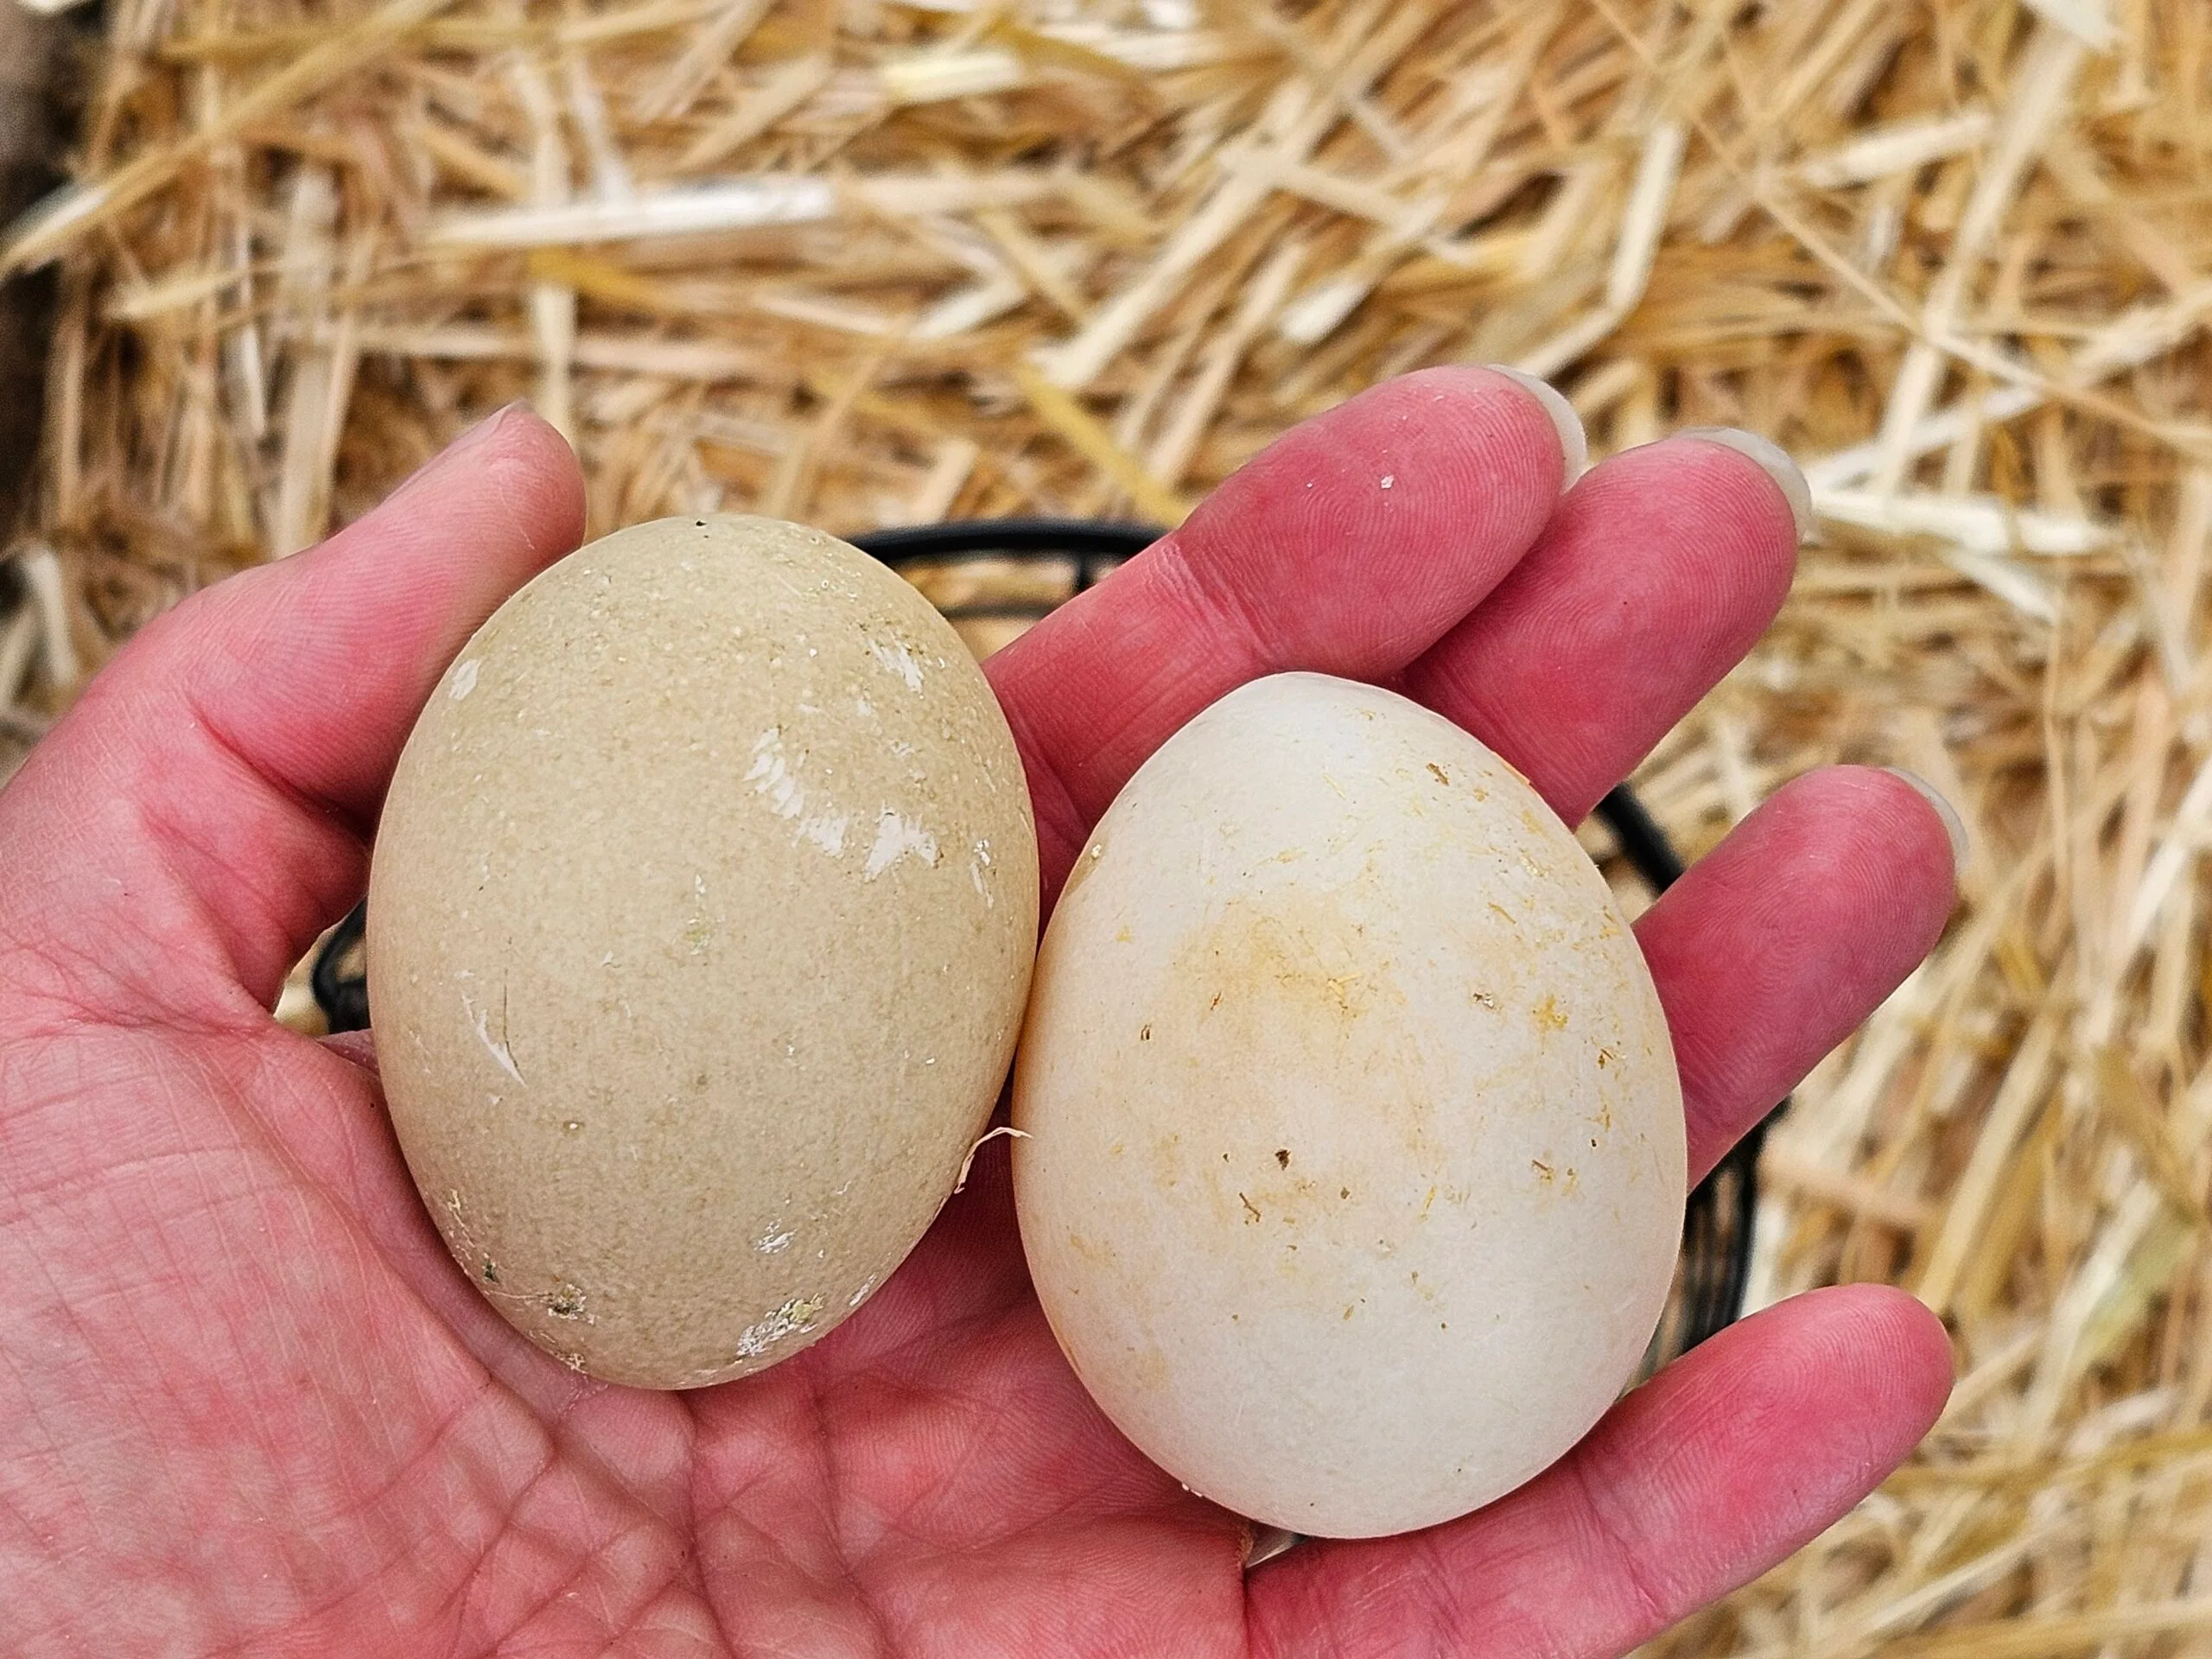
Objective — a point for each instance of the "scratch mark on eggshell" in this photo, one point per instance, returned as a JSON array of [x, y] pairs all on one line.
[[464, 679], [495, 1047], [793, 1318], [772, 1241], [774, 775], [826, 830], [897, 657], [895, 839]]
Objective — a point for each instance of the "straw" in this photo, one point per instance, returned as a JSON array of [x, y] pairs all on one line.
[[876, 264]]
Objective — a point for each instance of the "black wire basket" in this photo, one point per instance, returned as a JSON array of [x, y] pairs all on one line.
[[1716, 1252]]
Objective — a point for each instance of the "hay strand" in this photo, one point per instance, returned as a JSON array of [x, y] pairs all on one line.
[[877, 264]]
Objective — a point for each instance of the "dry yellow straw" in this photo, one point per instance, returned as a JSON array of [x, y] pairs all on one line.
[[867, 265]]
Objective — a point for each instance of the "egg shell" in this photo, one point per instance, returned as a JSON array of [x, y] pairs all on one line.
[[701, 917], [1355, 1160]]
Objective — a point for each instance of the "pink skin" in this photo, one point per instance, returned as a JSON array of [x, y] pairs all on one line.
[[247, 1402]]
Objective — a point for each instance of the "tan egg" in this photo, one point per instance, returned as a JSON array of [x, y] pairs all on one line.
[[702, 914], [1356, 1166]]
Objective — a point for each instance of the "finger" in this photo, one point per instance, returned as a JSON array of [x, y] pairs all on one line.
[[1349, 547], [357, 1047], [1651, 581], [1777, 944], [359, 630], [1695, 1483], [203, 808]]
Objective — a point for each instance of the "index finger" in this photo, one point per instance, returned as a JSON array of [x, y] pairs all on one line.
[[1350, 546]]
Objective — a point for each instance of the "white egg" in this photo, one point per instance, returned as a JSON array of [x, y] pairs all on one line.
[[1354, 1165]]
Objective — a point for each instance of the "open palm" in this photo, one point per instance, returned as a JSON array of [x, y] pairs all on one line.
[[247, 1403]]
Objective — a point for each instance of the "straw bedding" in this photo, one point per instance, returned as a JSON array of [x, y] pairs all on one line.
[[31, 122], [870, 262]]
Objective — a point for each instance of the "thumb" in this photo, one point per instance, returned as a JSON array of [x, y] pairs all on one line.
[[204, 809]]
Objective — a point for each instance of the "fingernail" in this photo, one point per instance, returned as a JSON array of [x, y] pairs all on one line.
[[1574, 443], [1953, 825], [482, 430], [474, 437], [1773, 460]]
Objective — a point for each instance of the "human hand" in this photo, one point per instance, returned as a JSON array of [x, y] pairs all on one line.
[[247, 1401]]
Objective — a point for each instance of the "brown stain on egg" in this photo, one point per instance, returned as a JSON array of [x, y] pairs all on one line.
[[1298, 979], [1295, 958], [1148, 1369], [1089, 1248], [1354, 1087]]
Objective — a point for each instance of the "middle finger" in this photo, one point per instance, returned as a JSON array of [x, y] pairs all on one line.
[[1653, 578]]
